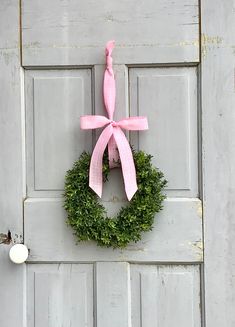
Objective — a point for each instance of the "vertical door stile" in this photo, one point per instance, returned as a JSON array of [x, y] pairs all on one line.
[[12, 277], [113, 294], [218, 135]]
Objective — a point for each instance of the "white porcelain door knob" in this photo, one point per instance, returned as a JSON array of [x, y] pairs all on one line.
[[18, 253]]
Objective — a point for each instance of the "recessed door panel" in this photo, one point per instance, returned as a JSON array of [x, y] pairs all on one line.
[[168, 97], [55, 100]]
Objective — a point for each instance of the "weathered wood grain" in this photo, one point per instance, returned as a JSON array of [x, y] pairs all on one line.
[[113, 294], [60, 295], [172, 138], [12, 290], [54, 102], [176, 237], [218, 136], [165, 296], [126, 295], [11, 180], [64, 33], [74, 33]]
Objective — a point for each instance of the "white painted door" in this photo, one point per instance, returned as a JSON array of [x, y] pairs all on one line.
[[51, 80]]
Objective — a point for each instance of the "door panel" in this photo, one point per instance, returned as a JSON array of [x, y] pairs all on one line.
[[55, 99], [176, 237], [72, 33], [113, 294], [172, 114], [165, 296], [155, 60], [126, 295], [60, 295]]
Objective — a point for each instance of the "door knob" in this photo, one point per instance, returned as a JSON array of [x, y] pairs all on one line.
[[18, 253]]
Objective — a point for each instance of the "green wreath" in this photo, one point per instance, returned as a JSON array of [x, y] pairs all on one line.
[[88, 217]]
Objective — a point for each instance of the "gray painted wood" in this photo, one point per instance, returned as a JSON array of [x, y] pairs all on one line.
[[61, 34], [113, 294], [55, 33], [218, 136], [12, 291], [11, 185], [72, 33], [172, 115], [12, 300], [176, 237], [55, 100], [180, 242], [126, 295], [60, 295], [165, 296]]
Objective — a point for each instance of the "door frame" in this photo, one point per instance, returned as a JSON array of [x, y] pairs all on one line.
[[218, 155], [12, 185]]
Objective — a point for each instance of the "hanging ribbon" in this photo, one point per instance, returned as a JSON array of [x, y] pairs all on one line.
[[112, 135]]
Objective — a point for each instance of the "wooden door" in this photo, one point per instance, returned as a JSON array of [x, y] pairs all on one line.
[[55, 77]]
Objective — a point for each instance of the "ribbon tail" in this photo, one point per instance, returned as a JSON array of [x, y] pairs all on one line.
[[96, 164], [127, 162]]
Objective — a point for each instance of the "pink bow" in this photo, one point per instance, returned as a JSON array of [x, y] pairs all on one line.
[[112, 136]]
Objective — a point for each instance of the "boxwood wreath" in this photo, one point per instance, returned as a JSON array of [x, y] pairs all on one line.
[[88, 217]]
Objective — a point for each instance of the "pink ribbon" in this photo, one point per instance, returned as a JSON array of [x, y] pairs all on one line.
[[112, 135]]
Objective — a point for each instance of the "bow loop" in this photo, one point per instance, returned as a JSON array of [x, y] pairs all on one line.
[[92, 122], [134, 123]]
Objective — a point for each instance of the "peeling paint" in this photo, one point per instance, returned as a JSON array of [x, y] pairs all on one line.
[[123, 254], [8, 54], [207, 41], [199, 210], [116, 199], [233, 49], [198, 248], [32, 45], [137, 248], [194, 42], [5, 238], [10, 238], [186, 43], [199, 245]]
